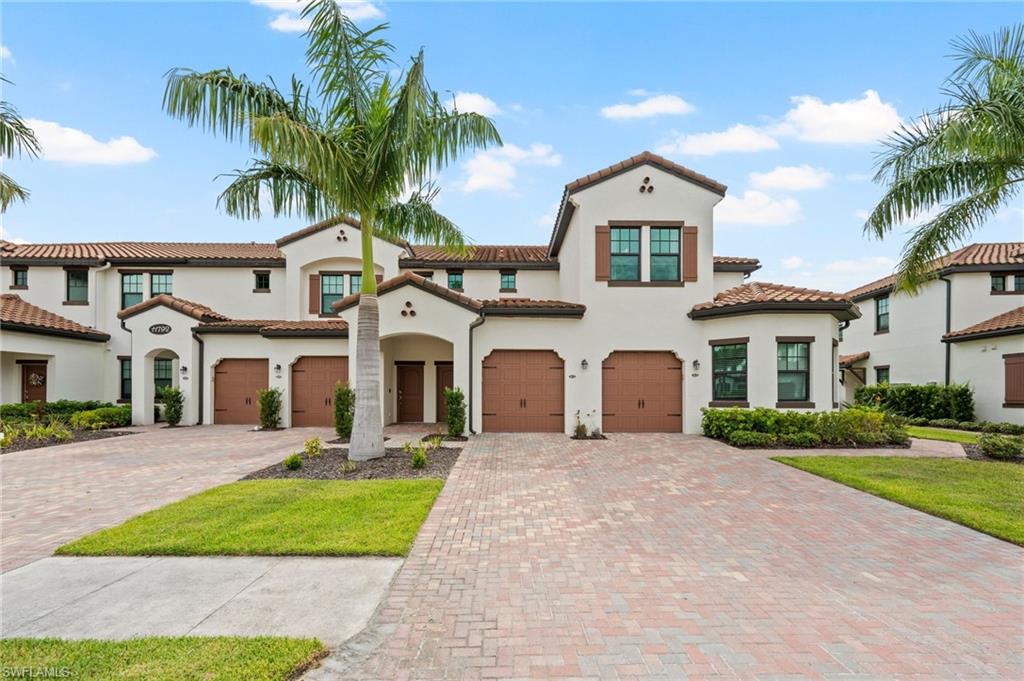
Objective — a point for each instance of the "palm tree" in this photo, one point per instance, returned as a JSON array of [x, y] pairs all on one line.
[[16, 138], [350, 145], [967, 156]]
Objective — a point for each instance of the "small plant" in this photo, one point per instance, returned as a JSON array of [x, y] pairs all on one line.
[[455, 402], [313, 447], [344, 409], [419, 457], [1001, 447], [174, 405], [270, 408], [408, 447], [435, 440], [595, 434], [293, 462], [580, 431], [349, 466]]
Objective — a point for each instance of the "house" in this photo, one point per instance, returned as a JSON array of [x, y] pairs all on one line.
[[625, 320], [966, 325]]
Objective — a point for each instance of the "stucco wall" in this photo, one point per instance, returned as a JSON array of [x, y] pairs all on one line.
[[980, 362], [74, 367], [485, 284]]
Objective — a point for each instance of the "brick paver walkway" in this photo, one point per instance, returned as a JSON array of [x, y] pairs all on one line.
[[55, 494], [659, 556]]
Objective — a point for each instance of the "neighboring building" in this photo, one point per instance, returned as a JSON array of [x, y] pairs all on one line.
[[624, 320], [962, 327]]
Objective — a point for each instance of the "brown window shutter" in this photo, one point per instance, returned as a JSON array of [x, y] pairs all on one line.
[[314, 294], [1014, 378], [689, 254], [602, 253], [378, 277]]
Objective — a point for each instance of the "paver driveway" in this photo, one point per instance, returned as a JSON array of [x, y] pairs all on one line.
[[674, 557], [55, 494]]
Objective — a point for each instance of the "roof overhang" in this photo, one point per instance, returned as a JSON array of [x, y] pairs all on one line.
[[416, 281], [841, 311], [410, 263], [997, 333], [98, 336]]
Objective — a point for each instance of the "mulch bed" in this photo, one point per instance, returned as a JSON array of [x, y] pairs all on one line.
[[445, 438], [77, 436], [592, 436], [395, 464], [974, 453], [344, 441]]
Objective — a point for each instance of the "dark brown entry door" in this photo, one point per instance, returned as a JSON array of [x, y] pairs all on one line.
[[445, 379], [642, 392], [33, 382], [236, 383], [524, 391], [313, 381], [410, 392]]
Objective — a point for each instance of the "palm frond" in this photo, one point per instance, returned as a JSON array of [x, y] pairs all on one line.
[[11, 191], [416, 220], [285, 189], [16, 138]]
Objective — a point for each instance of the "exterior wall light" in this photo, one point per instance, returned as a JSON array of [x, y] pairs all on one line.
[[277, 368], [584, 364], [183, 370], [696, 365]]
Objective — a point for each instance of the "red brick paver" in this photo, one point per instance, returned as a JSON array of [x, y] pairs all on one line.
[[55, 494], [667, 556]]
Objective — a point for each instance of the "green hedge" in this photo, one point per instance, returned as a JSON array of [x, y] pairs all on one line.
[[65, 408], [104, 417], [955, 401], [849, 427]]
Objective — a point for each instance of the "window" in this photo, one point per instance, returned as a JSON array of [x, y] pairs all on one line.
[[881, 374], [998, 283], [162, 373], [882, 314], [664, 254], [262, 281], [332, 288], [160, 283], [455, 280], [77, 286], [729, 371], [19, 278], [794, 372], [131, 290], [1018, 283], [126, 377], [355, 283], [508, 281], [625, 254]]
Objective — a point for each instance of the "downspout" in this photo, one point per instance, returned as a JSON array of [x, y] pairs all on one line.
[[131, 352], [949, 321], [478, 322], [202, 387]]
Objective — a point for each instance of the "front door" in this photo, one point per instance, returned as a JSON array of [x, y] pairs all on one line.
[[410, 392], [33, 382], [445, 379]]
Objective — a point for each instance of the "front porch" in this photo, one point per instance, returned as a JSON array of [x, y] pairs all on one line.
[[416, 368]]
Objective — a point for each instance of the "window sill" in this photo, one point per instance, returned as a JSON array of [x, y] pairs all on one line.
[[15, 287], [879, 333], [794, 405], [507, 290], [457, 290], [729, 403], [1013, 405], [1006, 293], [655, 284], [261, 290], [76, 302], [123, 401], [328, 315]]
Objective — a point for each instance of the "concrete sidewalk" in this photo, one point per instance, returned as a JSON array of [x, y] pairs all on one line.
[[116, 598]]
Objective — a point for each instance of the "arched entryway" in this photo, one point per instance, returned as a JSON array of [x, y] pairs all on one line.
[[163, 367], [417, 368]]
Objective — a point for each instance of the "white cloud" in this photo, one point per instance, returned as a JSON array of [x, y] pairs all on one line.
[[841, 275], [474, 102], [738, 138], [497, 169], [791, 178], [289, 19], [757, 208], [658, 105], [68, 145], [287, 22], [868, 268], [794, 262], [855, 121], [5, 54]]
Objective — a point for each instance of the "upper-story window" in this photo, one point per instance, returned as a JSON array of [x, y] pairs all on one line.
[[882, 314], [729, 371], [77, 288], [332, 288], [664, 254], [794, 372], [19, 278], [455, 280], [1018, 282], [625, 258], [355, 283], [508, 281], [131, 289], [261, 283], [998, 283], [161, 283]]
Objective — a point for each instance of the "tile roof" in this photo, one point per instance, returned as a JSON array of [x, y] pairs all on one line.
[[410, 278], [1008, 323], [850, 360], [280, 328], [18, 315], [763, 296], [500, 306], [143, 251], [506, 254], [321, 226], [969, 257], [640, 159], [186, 307], [735, 263]]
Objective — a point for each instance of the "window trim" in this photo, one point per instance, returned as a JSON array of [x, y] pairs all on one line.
[[993, 277], [462, 279], [330, 273], [256, 281], [121, 360], [678, 254], [1018, 281], [161, 273], [501, 281], [67, 285], [794, 404], [638, 255], [15, 271], [170, 375], [878, 315], [886, 369], [142, 287], [730, 402]]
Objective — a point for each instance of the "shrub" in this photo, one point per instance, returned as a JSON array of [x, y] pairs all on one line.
[[750, 438], [802, 439], [104, 417], [839, 428], [871, 439], [580, 431], [944, 423], [455, 403], [64, 408], [313, 447], [419, 457], [35, 431], [344, 409], [988, 427], [917, 421], [1001, 447], [174, 405], [270, 408], [1011, 428], [719, 423], [293, 462], [955, 401], [896, 435], [969, 425]]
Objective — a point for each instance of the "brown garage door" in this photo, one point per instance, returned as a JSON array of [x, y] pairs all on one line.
[[235, 385], [642, 392], [313, 381], [524, 392]]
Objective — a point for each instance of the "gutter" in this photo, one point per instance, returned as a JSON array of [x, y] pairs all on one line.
[[477, 322], [202, 349], [131, 352], [949, 322]]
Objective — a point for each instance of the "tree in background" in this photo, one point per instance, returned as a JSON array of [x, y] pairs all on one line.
[[16, 139]]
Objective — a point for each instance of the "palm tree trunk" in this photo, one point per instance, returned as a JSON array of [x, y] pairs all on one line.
[[367, 429]]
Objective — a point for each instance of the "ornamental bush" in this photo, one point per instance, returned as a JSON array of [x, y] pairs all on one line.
[[104, 417], [174, 405], [954, 401], [344, 409], [1001, 447], [750, 438], [802, 439], [855, 426], [23, 411], [944, 423], [270, 408], [293, 462], [455, 403]]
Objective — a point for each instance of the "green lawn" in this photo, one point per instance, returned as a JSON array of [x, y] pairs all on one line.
[[944, 434], [163, 659], [987, 496], [275, 518]]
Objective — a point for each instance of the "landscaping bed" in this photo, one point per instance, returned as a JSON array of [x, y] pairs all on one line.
[[333, 464], [974, 453], [76, 436], [440, 437]]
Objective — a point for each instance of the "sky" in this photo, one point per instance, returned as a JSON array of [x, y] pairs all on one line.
[[784, 103]]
